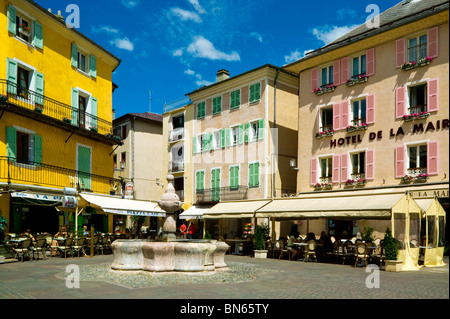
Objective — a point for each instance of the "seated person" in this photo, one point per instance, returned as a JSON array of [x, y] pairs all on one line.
[[296, 250]]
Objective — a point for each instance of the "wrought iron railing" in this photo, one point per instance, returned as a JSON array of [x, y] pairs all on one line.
[[416, 171], [212, 195], [175, 167], [41, 174], [417, 109], [42, 104]]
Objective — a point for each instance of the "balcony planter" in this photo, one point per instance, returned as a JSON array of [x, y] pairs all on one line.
[[67, 120], [412, 64], [421, 178], [359, 127], [38, 109], [349, 182], [360, 79], [407, 179], [318, 186], [361, 182], [326, 89], [25, 30], [415, 116], [324, 134], [94, 129]]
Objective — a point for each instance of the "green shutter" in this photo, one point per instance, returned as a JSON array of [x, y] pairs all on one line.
[[241, 134], [228, 137], [11, 71], [222, 132], [93, 66], [38, 40], [84, 166], [234, 177], [247, 128], [205, 141], [74, 107], [256, 174], [11, 143], [201, 110], [261, 129], [255, 93], [194, 142], [94, 112], [250, 175], [37, 150], [235, 99], [12, 19], [211, 137], [74, 55], [39, 88], [215, 184], [217, 105]]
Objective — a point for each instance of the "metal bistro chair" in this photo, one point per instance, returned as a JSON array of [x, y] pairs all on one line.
[[285, 250], [310, 250], [22, 249], [361, 253], [276, 247], [79, 246], [66, 247], [40, 247]]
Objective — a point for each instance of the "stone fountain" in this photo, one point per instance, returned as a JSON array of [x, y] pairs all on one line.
[[169, 254]]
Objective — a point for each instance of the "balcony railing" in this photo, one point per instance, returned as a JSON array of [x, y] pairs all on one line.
[[176, 135], [175, 167], [214, 195], [40, 174], [44, 105], [414, 172]]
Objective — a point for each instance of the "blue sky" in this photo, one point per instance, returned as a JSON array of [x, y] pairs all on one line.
[[173, 47]]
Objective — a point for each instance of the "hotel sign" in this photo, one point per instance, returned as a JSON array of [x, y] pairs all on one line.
[[430, 193]]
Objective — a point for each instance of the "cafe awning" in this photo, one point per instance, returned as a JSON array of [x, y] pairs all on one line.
[[362, 206], [235, 209], [194, 212], [36, 199], [121, 206]]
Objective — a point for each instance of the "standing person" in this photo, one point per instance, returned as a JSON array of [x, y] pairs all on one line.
[[183, 230], [192, 230]]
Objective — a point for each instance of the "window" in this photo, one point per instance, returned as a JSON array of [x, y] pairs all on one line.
[[200, 181], [359, 66], [115, 161], [254, 131], [326, 117], [234, 177], [417, 48], [234, 135], [417, 162], [123, 132], [417, 99], [358, 162], [253, 175], [201, 110], [123, 159], [217, 140], [326, 168], [359, 112], [255, 92], [326, 76], [217, 105], [23, 28], [23, 82], [178, 122], [235, 98], [23, 146], [83, 62]]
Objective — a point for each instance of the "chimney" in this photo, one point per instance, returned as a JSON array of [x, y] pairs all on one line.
[[59, 15], [222, 75]]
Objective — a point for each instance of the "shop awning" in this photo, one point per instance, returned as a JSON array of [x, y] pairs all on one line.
[[120, 206], [194, 212], [235, 209], [366, 206], [36, 199]]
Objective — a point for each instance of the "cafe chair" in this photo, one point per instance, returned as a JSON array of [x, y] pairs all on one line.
[[284, 250], [310, 250], [276, 247], [39, 247], [79, 246], [361, 253], [66, 247], [22, 249]]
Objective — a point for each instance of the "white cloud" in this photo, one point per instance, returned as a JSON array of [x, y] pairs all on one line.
[[190, 72], [257, 36], [106, 29], [186, 15], [124, 44], [197, 6], [203, 82], [327, 33], [178, 52], [295, 55], [130, 3], [203, 48]]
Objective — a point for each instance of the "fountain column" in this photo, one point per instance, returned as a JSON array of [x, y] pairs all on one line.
[[171, 203]]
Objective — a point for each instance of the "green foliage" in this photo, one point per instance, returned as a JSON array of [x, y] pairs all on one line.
[[207, 235], [3, 223], [259, 239], [390, 246], [366, 234], [138, 221]]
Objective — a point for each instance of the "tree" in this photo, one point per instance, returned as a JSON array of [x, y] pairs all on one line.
[[259, 239], [390, 246]]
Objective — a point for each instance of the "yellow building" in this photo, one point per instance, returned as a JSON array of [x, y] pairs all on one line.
[[56, 118], [373, 110]]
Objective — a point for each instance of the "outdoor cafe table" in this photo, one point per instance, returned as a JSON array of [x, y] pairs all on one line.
[[236, 244]]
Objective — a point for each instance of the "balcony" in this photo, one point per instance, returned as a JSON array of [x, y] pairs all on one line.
[[176, 135], [40, 174], [176, 167], [42, 107], [214, 195]]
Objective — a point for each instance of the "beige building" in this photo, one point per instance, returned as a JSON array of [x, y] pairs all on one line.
[[244, 139], [139, 161], [373, 111]]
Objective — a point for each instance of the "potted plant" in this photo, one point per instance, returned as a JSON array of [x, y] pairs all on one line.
[[3, 223], [67, 120], [93, 129], [349, 182], [367, 233], [391, 253], [407, 179], [259, 250], [361, 181], [422, 177], [408, 65]]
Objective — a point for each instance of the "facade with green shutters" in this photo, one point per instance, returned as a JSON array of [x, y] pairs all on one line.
[[236, 154]]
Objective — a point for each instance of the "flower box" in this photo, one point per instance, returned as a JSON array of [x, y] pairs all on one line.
[[324, 134], [407, 179], [359, 79], [421, 178], [93, 129], [326, 89], [26, 30], [361, 181], [323, 186], [3, 98], [359, 127], [67, 120], [412, 64], [349, 182], [38, 109], [415, 116]]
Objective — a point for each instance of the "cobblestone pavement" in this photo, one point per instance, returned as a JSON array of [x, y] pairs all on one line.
[[269, 279]]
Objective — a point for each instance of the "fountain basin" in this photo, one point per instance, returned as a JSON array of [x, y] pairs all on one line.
[[165, 256]]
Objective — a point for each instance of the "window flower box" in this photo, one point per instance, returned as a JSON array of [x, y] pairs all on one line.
[[358, 127], [409, 65], [415, 116], [38, 109], [407, 179], [421, 178], [323, 186], [412, 64], [325, 89], [361, 181], [350, 182], [323, 134], [360, 79], [24, 29], [93, 129], [67, 120], [3, 98], [424, 61]]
